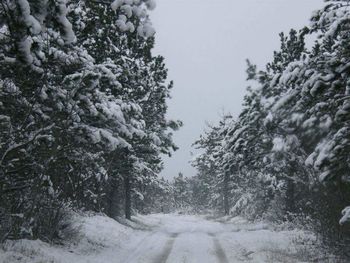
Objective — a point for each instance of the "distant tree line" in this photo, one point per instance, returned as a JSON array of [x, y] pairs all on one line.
[[82, 112], [287, 156]]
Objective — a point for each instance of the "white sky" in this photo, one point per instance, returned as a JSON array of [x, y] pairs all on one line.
[[205, 44]]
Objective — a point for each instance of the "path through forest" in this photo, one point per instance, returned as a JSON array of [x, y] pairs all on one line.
[[167, 238], [178, 238], [194, 239]]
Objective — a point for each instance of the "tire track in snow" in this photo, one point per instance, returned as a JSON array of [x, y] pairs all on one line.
[[138, 248], [162, 258], [219, 252]]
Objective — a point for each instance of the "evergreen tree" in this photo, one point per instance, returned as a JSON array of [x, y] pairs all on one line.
[[82, 110]]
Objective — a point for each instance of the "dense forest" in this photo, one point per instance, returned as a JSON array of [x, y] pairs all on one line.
[[287, 156], [82, 111], [84, 127]]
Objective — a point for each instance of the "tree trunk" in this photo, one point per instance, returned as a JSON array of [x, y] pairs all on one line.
[[113, 201], [226, 194], [290, 196], [127, 187]]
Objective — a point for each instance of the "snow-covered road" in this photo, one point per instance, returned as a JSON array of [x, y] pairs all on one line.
[[170, 238], [178, 238], [193, 239]]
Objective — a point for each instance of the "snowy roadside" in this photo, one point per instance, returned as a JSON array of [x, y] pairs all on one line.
[[100, 239], [170, 238], [266, 242]]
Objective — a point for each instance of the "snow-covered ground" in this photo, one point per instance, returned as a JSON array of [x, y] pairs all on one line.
[[168, 238]]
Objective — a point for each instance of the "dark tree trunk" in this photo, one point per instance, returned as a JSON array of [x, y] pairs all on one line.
[[290, 196], [127, 187], [290, 191], [113, 204], [226, 194]]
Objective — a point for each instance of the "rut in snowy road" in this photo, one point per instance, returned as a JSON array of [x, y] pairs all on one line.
[[168, 247], [219, 251]]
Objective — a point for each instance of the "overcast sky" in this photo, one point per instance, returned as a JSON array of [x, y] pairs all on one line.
[[205, 44]]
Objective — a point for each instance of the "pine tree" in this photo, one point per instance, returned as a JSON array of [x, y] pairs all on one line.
[[87, 120]]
